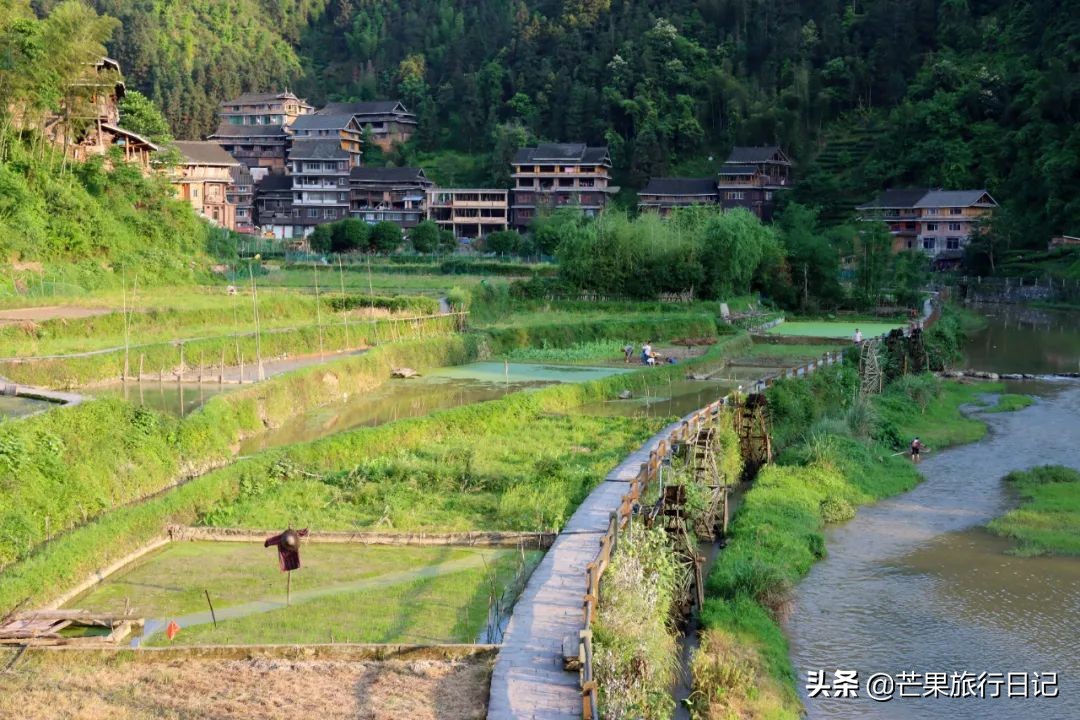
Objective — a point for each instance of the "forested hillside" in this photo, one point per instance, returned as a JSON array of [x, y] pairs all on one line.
[[78, 222], [928, 92]]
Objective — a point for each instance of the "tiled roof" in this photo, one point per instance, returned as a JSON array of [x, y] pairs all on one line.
[[204, 153], [953, 198], [680, 186], [388, 175], [895, 199], [563, 153], [249, 98], [375, 107], [320, 149], [275, 181], [329, 121]]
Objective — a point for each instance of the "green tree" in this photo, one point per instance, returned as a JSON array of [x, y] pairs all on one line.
[[447, 242], [321, 238], [873, 249], [504, 242], [139, 114], [349, 235], [385, 237], [425, 237]]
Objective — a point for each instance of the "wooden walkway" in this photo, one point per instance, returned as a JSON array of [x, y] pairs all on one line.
[[529, 680]]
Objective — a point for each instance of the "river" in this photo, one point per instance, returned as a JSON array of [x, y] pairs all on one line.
[[914, 584]]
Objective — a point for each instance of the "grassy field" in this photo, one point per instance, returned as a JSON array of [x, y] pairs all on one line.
[[786, 353], [1048, 519], [844, 330], [512, 471], [58, 686], [842, 459], [342, 593], [380, 283]]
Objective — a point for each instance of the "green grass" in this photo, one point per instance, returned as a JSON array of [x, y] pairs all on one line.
[[511, 473], [844, 330], [842, 458], [348, 593], [760, 351], [1007, 402], [599, 350], [919, 406], [833, 329], [1048, 519], [434, 284]]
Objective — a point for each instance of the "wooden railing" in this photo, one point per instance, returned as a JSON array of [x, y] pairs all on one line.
[[649, 472]]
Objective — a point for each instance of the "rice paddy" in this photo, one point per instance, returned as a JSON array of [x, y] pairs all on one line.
[[341, 593], [842, 330]]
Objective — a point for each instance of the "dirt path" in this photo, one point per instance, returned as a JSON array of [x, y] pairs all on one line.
[[50, 312]]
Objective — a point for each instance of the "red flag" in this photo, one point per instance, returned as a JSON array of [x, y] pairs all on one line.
[[171, 629]]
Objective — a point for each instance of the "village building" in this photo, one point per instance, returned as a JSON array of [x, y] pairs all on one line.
[[255, 128], [203, 177], [469, 212], [389, 194], [384, 122], [241, 194], [275, 215], [554, 175], [940, 223], [896, 208], [662, 195], [324, 150], [88, 122], [949, 218], [751, 177], [1060, 241]]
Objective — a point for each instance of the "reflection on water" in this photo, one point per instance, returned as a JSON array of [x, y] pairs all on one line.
[[911, 584], [394, 400], [171, 398], [674, 399], [438, 389], [13, 406], [526, 372], [1024, 339]]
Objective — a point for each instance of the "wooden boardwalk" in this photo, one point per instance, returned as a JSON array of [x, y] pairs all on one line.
[[529, 680]]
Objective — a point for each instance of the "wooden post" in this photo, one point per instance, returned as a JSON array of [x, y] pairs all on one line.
[[180, 377], [142, 356], [345, 309], [213, 615], [201, 366], [727, 491], [288, 589], [241, 368], [221, 367]]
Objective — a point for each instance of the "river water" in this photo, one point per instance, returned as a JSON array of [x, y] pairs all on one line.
[[914, 584]]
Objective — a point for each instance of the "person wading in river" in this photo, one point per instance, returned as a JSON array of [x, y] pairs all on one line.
[[916, 449]]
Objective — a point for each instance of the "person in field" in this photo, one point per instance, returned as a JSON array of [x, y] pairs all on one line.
[[916, 449], [858, 336]]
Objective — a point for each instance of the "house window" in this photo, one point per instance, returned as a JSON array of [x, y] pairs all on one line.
[[329, 213], [952, 243], [313, 212], [910, 244], [768, 195], [931, 227], [928, 243], [956, 211], [735, 195], [194, 192], [955, 227]]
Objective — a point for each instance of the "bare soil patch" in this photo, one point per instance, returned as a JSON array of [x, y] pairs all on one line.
[[49, 312], [256, 689]]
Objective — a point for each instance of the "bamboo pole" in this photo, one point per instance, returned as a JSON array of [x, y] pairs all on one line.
[[318, 311], [345, 310]]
